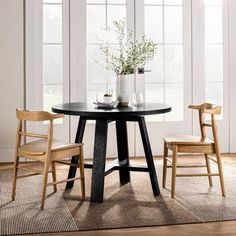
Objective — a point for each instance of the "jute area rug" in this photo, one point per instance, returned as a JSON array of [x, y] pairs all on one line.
[[130, 205]]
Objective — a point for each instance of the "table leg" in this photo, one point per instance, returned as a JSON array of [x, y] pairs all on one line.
[[123, 150], [74, 160], [148, 155], [99, 160]]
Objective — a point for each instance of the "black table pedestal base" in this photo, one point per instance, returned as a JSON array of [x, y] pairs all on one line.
[[74, 160], [99, 161], [100, 169], [123, 150], [148, 155]]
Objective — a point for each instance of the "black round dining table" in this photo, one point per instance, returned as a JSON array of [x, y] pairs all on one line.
[[119, 115]]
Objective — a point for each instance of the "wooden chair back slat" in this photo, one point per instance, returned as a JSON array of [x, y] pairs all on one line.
[[33, 135], [207, 108], [36, 115], [23, 115]]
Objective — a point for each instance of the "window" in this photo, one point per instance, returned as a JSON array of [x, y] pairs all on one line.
[[100, 14], [52, 53], [164, 25], [63, 38]]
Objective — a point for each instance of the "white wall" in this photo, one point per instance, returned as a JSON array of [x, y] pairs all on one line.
[[11, 73]]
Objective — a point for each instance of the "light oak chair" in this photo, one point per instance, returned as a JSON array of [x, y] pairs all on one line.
[[194, 144], [44, 149]]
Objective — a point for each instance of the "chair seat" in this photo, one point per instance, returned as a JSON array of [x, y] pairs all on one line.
[[187, 140], [38, 148]]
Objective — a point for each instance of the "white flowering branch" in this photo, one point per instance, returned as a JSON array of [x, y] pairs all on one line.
[[125, 56]]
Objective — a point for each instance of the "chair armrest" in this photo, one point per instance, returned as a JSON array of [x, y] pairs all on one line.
[[57, 116]]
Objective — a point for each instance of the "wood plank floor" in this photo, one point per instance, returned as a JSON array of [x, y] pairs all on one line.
[[216, 228], [219, 229]]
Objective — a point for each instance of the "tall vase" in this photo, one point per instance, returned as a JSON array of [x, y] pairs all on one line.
[[122, 90]]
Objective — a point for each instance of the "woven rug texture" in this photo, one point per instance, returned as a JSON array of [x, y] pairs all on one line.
[[130, 205]]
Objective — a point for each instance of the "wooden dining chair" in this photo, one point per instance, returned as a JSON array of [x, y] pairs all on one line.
[[44, 149], [194, 144]]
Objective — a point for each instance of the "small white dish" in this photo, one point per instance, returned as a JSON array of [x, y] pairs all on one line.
[[106, 105]]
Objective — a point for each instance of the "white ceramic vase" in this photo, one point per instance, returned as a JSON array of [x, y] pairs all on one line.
[[122, 90]]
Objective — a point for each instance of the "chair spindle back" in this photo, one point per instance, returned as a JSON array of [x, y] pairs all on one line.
[[211, 109], [24, 116]]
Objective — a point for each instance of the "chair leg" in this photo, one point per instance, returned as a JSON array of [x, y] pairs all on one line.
[[13, 193], [54, 177], [174, 166], [208, 169], [219, 163], [165, 154], [44, 183], [81, 166]]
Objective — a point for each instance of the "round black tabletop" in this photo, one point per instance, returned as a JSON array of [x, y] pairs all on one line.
[[90, 110]]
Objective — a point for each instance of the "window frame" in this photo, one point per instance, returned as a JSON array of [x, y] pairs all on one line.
[[75, 86]]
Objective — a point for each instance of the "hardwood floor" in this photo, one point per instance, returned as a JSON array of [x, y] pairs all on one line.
[[216, 228]]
